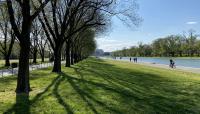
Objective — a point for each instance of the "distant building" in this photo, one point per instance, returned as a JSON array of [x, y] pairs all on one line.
[[107, 54], [98, 52]]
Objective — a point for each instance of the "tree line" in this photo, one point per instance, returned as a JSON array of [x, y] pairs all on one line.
[[186, 45], [66, 29]]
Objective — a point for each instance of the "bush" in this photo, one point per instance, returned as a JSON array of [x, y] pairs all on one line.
[[14, 65]]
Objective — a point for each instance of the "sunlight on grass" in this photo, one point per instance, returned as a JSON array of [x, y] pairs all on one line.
[[104, 86]]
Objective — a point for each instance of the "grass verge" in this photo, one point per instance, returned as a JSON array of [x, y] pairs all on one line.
[[103, 87]]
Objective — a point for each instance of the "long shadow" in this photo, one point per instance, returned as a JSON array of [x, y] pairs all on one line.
[[124, 77], [142, 87], [113, 81], [130, 86], [87, 97], [22, 105], [122, 92], [82, 94], [78, 71], [55, 85], [60, 99], [39, 95]]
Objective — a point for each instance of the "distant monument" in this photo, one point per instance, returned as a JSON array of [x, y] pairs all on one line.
[[98, 52]]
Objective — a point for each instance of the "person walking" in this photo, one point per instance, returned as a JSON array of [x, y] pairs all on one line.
[[172, 63], [130, 59], [135, 60]]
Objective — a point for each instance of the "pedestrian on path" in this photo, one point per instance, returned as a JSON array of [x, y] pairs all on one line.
[[172, 64]]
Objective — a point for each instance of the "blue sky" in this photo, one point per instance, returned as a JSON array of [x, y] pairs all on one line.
[[160, 18]]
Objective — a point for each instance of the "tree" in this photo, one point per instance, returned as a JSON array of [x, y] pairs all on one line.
[[198, 47], [173, 45], [75, 16], [42, 45], [8, 38], [147, 50], [181, 45], [191, 40], [85, 44], [23, 35], [36, 30], [133, 51]]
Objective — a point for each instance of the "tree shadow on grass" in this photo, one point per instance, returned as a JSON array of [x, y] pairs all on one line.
[[22, 105], [87, 97], [55, 85], [59, 97], [149, 92], [40, 95], [135, 91]]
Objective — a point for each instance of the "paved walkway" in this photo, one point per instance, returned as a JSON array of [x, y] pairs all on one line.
[[10, 71], [182, 68]]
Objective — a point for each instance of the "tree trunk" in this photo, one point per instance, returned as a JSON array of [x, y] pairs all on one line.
[[67, 64], [7, 60], [180, 54], [23, 85], [63, 56], [80, 57], [75, 58], [35, 55], [42, 58], [191, 54], [7, 56], [75, 55], [72, 57], [42, 54], [173, 54], [57, 60]]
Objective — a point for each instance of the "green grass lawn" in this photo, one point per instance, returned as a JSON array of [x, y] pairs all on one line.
[[97, 86]]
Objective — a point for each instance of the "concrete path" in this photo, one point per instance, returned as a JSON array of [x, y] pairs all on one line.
[[10, 71], [182, 68]]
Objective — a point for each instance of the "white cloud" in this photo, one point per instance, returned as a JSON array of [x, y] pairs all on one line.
[[109, 45], [192, 23]]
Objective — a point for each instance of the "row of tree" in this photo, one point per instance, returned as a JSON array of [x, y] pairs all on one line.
[[66, 28], [173, 45], [9, 45]]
